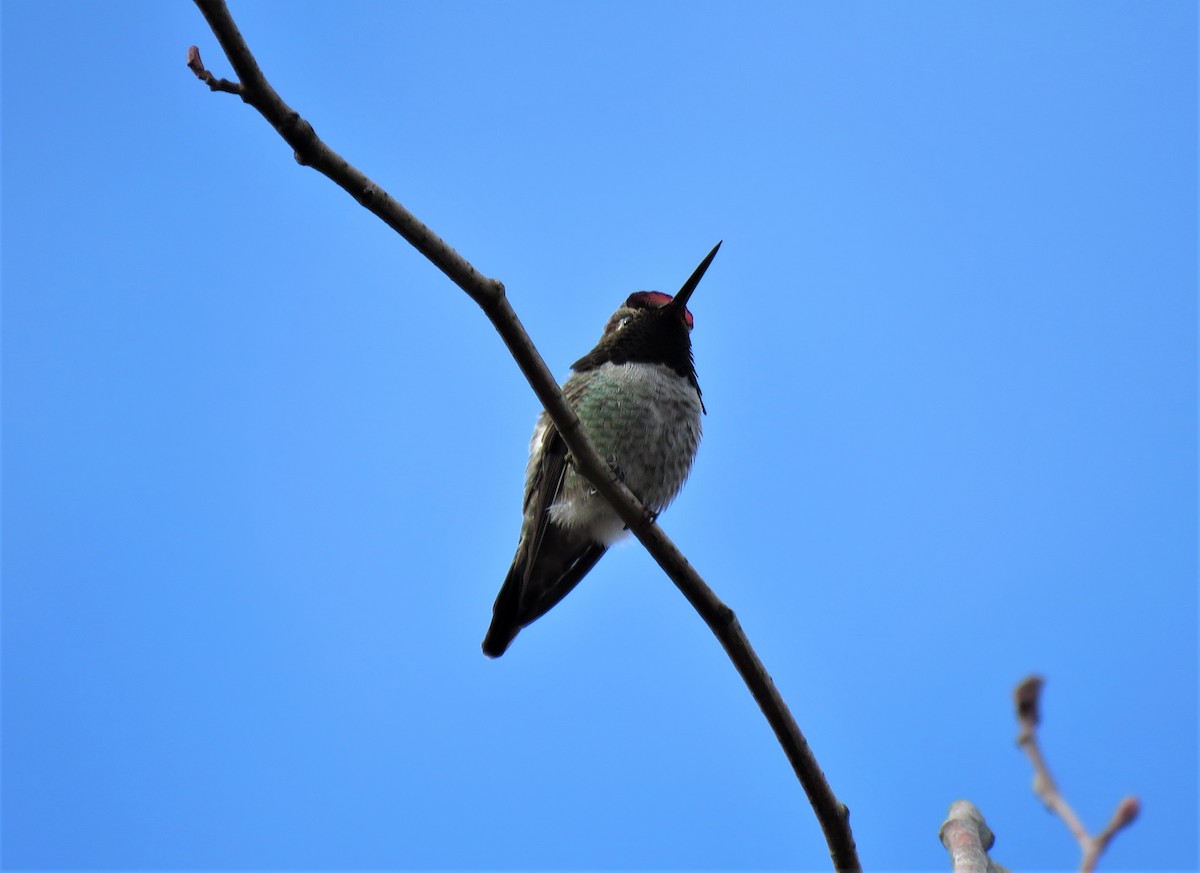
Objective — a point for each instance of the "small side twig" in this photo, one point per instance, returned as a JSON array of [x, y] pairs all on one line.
[[197, 66], [1027, 697]]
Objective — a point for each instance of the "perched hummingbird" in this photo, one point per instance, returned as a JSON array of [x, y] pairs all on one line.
[[637, 397]]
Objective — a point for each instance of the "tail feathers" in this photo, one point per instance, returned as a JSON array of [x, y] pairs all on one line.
[[499, 638], [527, 595], [505, 622]]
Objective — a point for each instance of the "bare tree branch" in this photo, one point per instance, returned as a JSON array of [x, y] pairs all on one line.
[[310, 151], [1027, 697], [968, 839]]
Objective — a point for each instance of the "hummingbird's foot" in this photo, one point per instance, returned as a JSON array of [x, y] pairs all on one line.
[[648, 517], [617, 472]]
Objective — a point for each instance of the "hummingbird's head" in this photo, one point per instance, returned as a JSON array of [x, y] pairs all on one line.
[[651, 327], [640, 308]]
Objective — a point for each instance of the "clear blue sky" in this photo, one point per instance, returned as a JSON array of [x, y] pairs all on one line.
[[263, 463]]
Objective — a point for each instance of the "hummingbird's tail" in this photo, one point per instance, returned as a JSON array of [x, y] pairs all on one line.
[[506, 614], [499, 637], [526, 595]]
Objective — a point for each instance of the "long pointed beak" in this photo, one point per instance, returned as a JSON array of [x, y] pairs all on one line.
[[681, 299]]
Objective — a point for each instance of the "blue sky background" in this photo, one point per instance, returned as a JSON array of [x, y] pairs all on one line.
[[263, 463]]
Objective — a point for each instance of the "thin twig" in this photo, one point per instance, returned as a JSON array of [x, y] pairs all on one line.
[[197, 66], [1027, 697], [310, 150]]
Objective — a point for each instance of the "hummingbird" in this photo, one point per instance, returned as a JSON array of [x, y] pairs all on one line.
[[637, 396]]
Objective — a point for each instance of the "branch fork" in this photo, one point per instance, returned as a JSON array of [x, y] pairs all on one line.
[[1027, 698]]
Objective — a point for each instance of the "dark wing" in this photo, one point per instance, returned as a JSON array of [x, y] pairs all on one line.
[[550, 560], [541, 491]]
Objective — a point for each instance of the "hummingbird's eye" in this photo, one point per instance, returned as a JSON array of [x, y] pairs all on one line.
[[624, 321]]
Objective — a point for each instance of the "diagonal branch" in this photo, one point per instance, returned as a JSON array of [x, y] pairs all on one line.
[[311, 151]]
